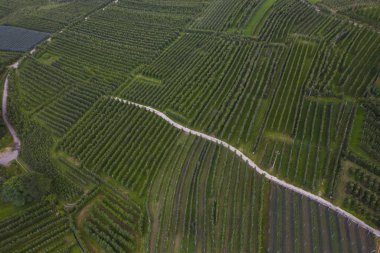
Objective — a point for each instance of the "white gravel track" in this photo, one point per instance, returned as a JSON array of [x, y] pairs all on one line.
[[11, 154]]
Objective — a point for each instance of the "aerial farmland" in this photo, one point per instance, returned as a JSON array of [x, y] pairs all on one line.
[[190, 126]]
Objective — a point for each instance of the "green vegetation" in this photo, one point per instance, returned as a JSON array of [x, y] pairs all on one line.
[[258, 16], [359, 189], [357, 129], [45, 15], [345, 4], [186, 180], [308, 223], [226, 15], [48, 58], [7, 58], [37, 229], [110, 215], [291, 84], [28, 187], [366, 14], [9, 209]]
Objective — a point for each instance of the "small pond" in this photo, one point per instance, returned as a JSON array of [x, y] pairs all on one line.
[[19, 39]]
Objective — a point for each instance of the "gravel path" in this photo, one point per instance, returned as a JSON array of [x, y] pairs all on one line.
[[10, 154], [284, 184]]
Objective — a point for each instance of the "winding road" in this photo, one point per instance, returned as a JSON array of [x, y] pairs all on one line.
[[252, 164], [12, 154]]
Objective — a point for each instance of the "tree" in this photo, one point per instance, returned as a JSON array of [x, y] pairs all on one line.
[[25, 188], [52, 199]]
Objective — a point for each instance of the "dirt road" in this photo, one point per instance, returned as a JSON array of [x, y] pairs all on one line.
[[12, 153]]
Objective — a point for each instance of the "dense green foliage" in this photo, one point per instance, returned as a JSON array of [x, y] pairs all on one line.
[[37, 229], [115, 223], [362, 193], [25, 188], [370, 15], [7, 58], [293, 85], [306, 226], [199, 195], [344, 4], [291, 102], [45, 15]]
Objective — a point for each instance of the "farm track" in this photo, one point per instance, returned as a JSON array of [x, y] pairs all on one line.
[[12, 154], [253, 165]]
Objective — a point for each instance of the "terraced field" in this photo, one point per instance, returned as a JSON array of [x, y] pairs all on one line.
[[46, 15], [291, 84], [37, 229], [199, 194]]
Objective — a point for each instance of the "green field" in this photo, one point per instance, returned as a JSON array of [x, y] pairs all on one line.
[[258, 16], [292, 84]]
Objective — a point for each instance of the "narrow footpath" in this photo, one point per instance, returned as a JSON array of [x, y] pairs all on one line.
[[12, 153], [274, 179]]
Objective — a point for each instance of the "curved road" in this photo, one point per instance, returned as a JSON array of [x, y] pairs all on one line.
[[10, 155], [274, 179]]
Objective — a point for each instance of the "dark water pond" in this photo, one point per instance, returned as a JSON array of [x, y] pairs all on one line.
[[19, 39]]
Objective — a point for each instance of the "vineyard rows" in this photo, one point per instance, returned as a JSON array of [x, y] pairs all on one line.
[[283, 129], [114, 223], [44, 15], [342, 4], [188, 198], [37, 229], [305, 226], [366, 14], [290, 85], [7, 58]]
